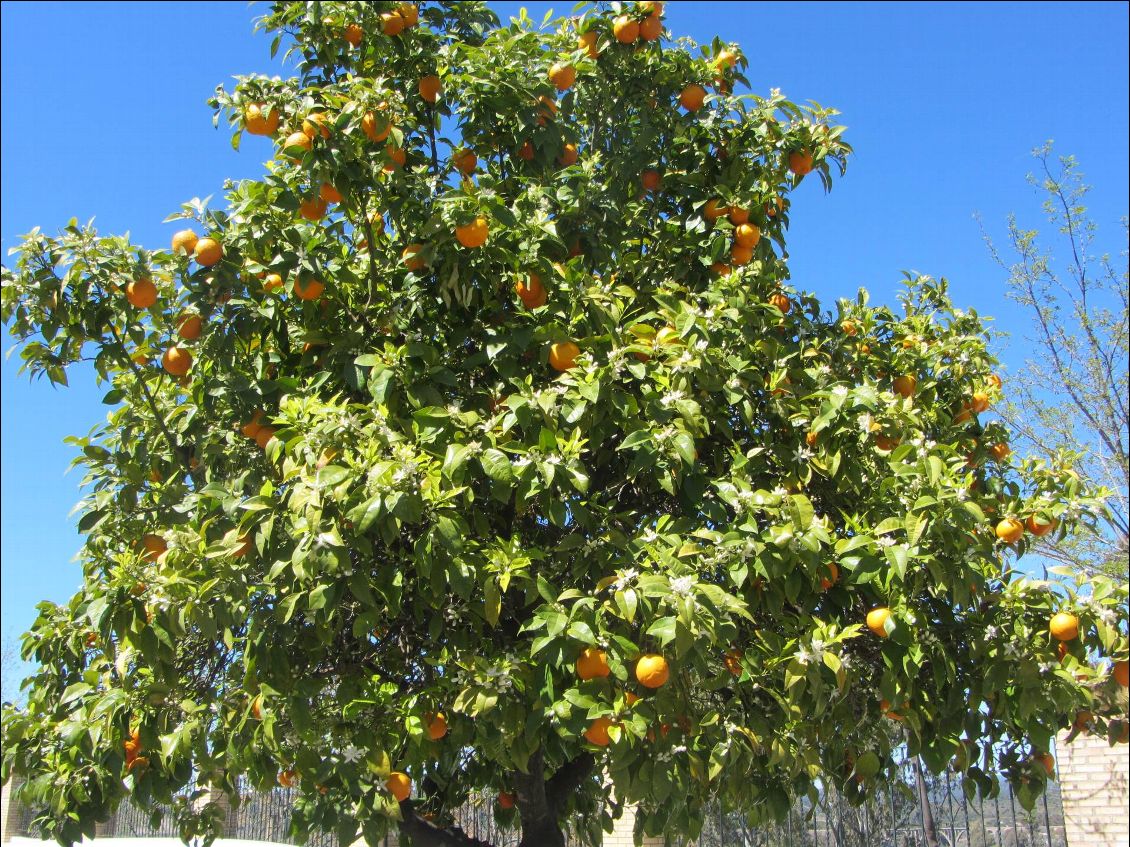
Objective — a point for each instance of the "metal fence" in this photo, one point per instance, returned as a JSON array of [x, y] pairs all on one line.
[[891, 820]]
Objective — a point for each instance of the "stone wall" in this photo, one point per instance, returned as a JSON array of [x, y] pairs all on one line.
[[1094, 779]]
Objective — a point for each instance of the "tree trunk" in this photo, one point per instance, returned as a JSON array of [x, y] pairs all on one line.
[[929, 830]]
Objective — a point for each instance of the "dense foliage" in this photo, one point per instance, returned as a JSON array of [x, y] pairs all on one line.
[[483, 444]]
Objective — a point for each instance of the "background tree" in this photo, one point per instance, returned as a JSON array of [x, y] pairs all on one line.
[[1072, 397], [482, 445]]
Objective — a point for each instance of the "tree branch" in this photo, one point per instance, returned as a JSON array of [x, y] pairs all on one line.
[[424, 833]]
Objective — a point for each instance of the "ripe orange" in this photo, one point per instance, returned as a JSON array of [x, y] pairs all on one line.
[[562, 76], [354, 34], [316, 123], [184, 242], [263, 436], [473, 234], [141, 293], [437, 725], [563, 355], [288, 779], [412, 259], [726, 59], [526, 152], [374, 129], [631, 698], [712, 211], [587, 41], [651, 8], [505, 800], [430, 87], [397, 157], [886, 442], [1121, 673], [272, 282], [782, 302], [465, 162], [299, 140], [800, 162], [399, 785], [738, 215], [1010, 530], [189, 327], [313, 208], [1048, 761], [597, 733], [208, 251], [568, 155], [833, 577], [1000, 452], [1083, 719], [721, 268], [532, 293], [246, 545], [747, 235], [651, 28], [980, 402], [252, 427], [905, 385], [625, 29], [176, 361], [733, 662], [995, 381], [393, 23], [877, 621], [260, 119], [741, 255], [774, 208], [410, 12], [547, 109], [328, 193], [592, 664], [153, 545], [652, 670], [692, 97], [651, 179], [1064, 626], [311, 289], [885, 708]]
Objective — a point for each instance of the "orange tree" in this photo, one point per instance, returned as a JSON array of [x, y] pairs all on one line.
[[483, 445]]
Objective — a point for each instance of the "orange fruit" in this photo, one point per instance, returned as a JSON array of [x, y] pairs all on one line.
[[392, 24], [532, 293], [721, 268], [1048, 761], [592, 664], [568, 155], [800, 162], [651, 8], [316, 123], [712, 211], [288, 779], [311, 289], [260, 119], [184, 242], [397, 157], [354, 34], [782, 302], [430, 87], [473, 234], [741, 255], [885, 708], [437, 725], [597, 733], [208, 251], [692, 97], [246, 545], [412, 259], [631, 698], [300, 140], [1010, 530], [738, 215], [562, 76], [650, 179], [399, 785], [176, 361], [374, 130], [141, 293], [832, 578], [252, 426], [1000, 452], [505, 800], [547, 109], [747, 235], [587, 41], [263, 436], [313, 208], [626, 29], [905, 385], [733, 662], [1040, 526], [526, 151], [1064, 626], [1121, 673], [726, 59], [995, 381], [465, 162], [139, 762], [410, 13], [328, 193], [877, 621], [189, 327], [979, 402], [651, 28], [652, 670], [272, 282], [886, 442], [849, 328], [153, 545], [774, 208], [563, 355]]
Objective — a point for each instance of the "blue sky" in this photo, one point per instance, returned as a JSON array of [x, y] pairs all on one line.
[[103, 115]]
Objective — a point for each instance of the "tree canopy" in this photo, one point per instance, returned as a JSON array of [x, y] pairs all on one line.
[[484, 444]]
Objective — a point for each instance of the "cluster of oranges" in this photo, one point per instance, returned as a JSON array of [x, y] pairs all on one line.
[[134, 749], [652, 671]]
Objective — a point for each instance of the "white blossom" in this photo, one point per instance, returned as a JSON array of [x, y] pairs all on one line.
[[886, 541], [683, 585], [839, 390], [351, 754]]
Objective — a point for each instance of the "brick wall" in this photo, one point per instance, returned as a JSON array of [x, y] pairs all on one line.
[[1094, 779], [621, 835]]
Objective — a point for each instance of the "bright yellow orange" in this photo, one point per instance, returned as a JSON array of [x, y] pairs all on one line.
[[392, 23], [741, 255], [905, 385], [800, 162], [562, 75], [979, 402], [625, 29], [651, 28], [877, 621], [261, 119], [692, 97], [141, 293], [473, 234], [176, 361], [208, 251], [1064, 626], [587, 41], [713, 210], [747, 235], [410, 13], [399, 785], [437, 725], [272, 282], [995, 381], [184, 242], [298, 140], [316, 123], [726, 59], [430, 87], [739, 215], [593, 664], [375, 129], [563, 355], [189, 327], [311, 289], [1010, 530], [652, 670]]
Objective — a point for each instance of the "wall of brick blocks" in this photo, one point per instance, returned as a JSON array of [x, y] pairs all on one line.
[[1094, 779]]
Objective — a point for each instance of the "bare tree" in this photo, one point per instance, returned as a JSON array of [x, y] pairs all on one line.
[[1071, 397]]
